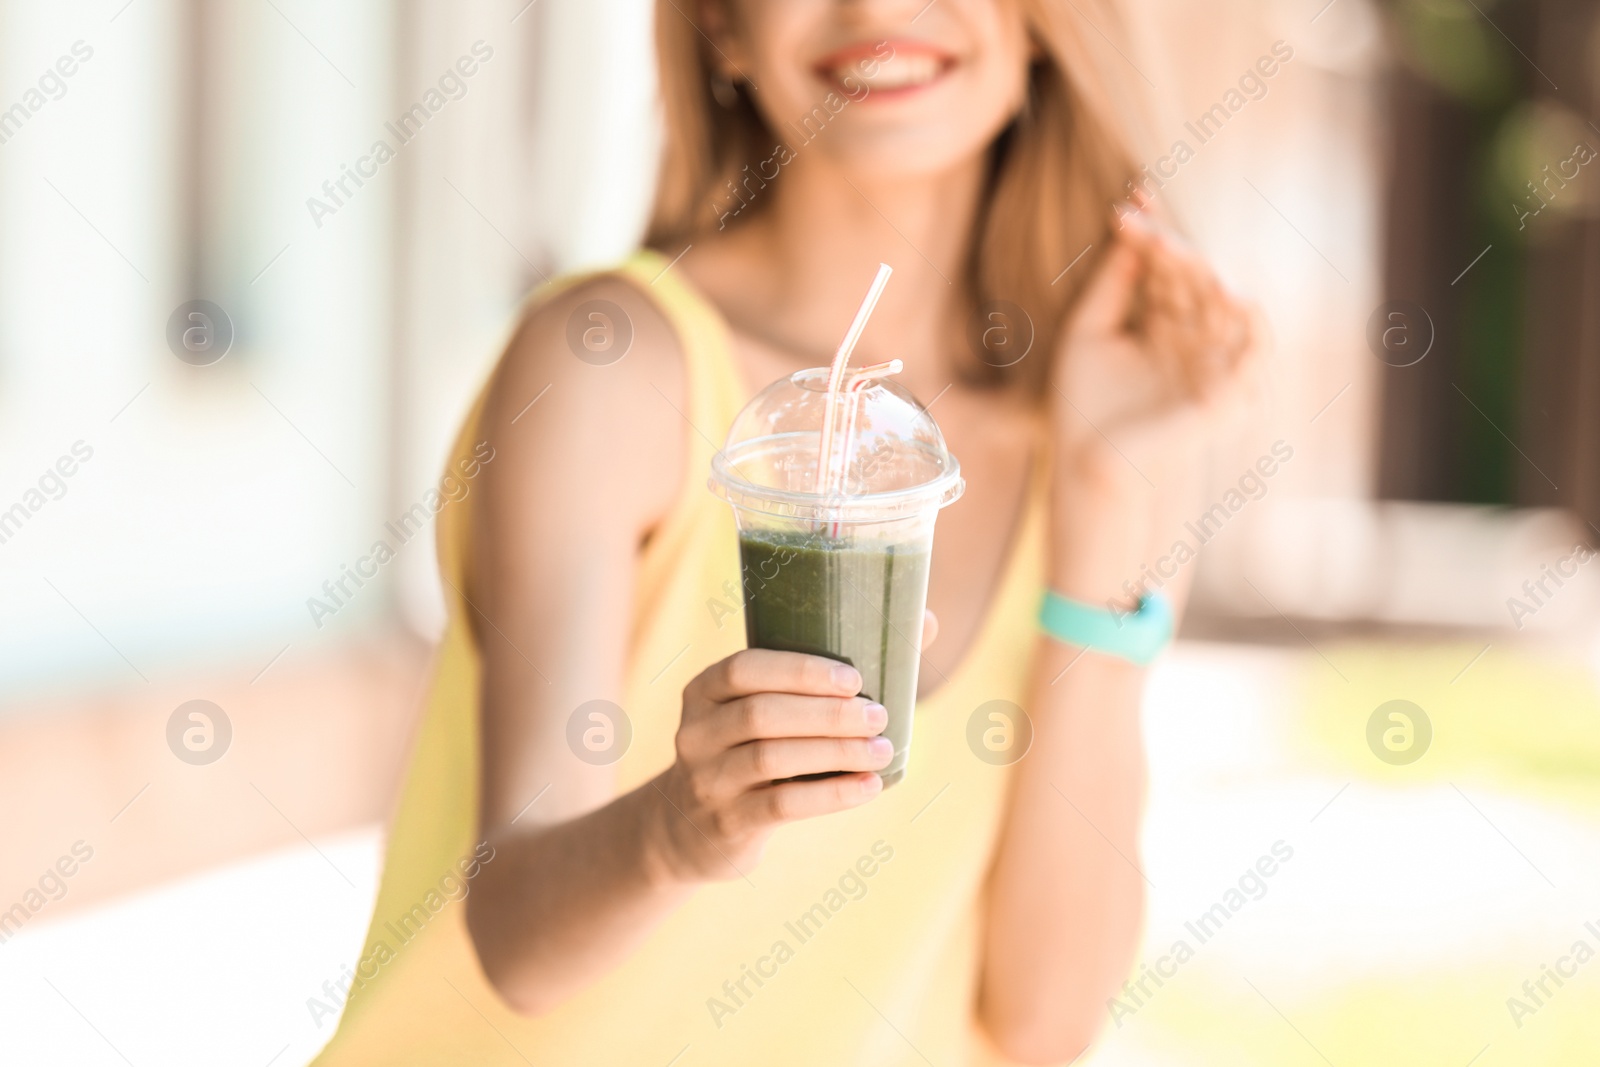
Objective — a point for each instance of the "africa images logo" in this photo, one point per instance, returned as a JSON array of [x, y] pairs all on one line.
[[451, 85], [404, 926], [337, 592], [851, 886]]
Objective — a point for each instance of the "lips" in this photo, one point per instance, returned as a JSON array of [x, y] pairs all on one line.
[[887, 68]]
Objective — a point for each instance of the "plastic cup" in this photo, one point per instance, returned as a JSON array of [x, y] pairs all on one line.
[[841, 574]]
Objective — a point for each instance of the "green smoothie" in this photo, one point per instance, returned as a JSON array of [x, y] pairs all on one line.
[[860, 603]]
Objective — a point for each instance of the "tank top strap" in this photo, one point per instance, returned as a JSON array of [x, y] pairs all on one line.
[[716, 391]]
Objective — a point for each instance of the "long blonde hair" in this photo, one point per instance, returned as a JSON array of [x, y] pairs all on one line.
[[1055, 171]]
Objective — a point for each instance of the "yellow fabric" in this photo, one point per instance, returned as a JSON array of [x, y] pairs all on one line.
[[883, 972]]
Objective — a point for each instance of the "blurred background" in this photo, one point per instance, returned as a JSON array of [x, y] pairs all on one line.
[[236, 337]]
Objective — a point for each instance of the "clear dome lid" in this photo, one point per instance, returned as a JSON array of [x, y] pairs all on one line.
[[892, 455]]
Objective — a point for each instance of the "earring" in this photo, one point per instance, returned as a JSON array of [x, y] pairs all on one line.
[[724, 91]]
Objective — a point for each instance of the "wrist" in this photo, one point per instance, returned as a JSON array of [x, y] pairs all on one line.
[[1137, 636], [659, 857], [1093, 553], [1092, 582]]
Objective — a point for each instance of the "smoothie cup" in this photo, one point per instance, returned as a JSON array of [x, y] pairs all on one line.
[[841, 573]]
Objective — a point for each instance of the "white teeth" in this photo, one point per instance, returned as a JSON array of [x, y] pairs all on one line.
[[899, 72]]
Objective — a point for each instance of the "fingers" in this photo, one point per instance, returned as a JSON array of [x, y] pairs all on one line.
[[1246, 385], [1206, 345], [760, 670], [1221, 340], [1174, 311], [930, 629], [1108, 298], [749, 722], [758, 762], [1197, 331], [769, 715], [1259, 345], [789, 801]]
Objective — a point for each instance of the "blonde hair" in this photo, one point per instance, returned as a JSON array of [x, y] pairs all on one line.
[[1055, 171]]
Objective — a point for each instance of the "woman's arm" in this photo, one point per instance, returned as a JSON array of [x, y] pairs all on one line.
[[580, 478], [1066, 892]]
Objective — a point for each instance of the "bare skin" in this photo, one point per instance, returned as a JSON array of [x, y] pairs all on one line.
[[583, 875]]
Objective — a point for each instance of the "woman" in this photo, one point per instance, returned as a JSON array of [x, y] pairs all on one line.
[[597, 774]]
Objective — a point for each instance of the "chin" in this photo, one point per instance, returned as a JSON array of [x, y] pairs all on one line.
[[889, 159], [909, 149]]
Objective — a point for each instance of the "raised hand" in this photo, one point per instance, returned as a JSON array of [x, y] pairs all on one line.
[[1157, 358]]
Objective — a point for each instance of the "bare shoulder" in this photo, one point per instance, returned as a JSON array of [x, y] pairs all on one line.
[[584, 407]]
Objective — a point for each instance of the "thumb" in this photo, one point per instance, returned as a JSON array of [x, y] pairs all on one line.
[[1108, 298]]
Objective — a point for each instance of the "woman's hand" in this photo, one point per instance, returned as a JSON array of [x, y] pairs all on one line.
[[1157, 357], [750, 721]]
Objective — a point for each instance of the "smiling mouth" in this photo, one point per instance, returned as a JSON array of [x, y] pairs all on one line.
[[909, 67]]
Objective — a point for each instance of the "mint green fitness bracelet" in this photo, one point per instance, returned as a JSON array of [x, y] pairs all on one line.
[[1137, 636]]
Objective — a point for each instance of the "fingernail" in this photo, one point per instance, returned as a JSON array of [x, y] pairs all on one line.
[[871, 784], [846, 677], [881, 747], [877, 716]]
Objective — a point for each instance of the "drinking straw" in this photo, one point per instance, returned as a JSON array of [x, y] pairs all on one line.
[[862, 377], [856, 381], [827, 474]]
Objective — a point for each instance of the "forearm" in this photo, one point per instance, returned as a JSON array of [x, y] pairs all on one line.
[[1066, 896], [565, 903], [1154, 360]]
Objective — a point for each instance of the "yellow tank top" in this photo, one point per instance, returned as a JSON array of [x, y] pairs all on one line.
[[855, 941]]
